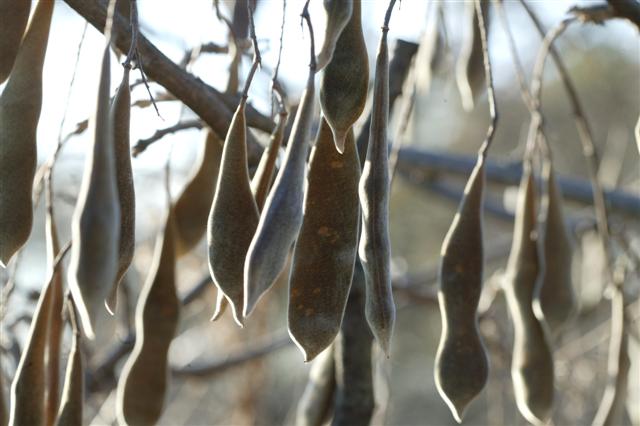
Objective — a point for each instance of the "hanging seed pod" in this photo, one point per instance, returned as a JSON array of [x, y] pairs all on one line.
[[20, 105], [556, 301], [461, 365], [338, 16], [325, 251], [281, 217], [192, 207], [120, 117], [70, 412], [314, 407], [262, 179], [470, 73], [345, 81], [532, 363], [375, 247], [15, 15], [144, 380], [95, 225], [234, 216], [4, 412]]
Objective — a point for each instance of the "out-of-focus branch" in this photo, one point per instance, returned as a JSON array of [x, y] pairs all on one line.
[[143, 144]]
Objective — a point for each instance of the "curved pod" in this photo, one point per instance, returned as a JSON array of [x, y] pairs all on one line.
[[338, 15]]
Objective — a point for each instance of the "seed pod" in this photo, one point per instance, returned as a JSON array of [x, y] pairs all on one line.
[[375, 247], [70, 412], [345, 81], [193, 205], [338, 16], [470, 65], [144, 379], [120, 120], [325, 251], [4, 412], [262, 179], [557, 301], [15, 15], [532, 363], [314, 407], [461, 365], [281, 217], [234, 216], [20, 105], [95, 225], [221, 306]]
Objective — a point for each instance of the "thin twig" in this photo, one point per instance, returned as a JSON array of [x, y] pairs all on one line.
[[143, 144], [277, 92], [493, 112], [257, 58], [306, 17]]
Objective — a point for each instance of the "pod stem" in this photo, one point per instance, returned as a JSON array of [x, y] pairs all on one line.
[[257, 58], [493, 111], [387, 15], [306, 17]]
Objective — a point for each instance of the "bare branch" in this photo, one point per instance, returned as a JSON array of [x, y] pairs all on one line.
[[143, 144]]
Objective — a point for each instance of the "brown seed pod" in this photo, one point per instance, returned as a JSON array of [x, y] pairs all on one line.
[[144, 380], [470, 73], [192, 207], [72, 401], [461, 365], [532, 362], [15, 15], [314, 407], [234, 216], [95, 225], [120, 117], [375, 247], [338, 16], [20, 105], [345, 81], [326, 248], [281, 218], [263, 177], [556, 301]]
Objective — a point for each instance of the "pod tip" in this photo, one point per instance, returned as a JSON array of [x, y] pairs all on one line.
[[111, 309], [339, 138]]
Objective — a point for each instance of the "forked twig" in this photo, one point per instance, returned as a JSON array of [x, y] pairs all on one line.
[[143, 144]]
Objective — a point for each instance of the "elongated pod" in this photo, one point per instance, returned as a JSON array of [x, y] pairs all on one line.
[[262, 179], [556, 301], [375, 247], [338, 16], [4, 411], [15, 15], [144, 380], [20, 105], [461, 365], [95, 225], [233, 218], [281, 217], [345, 81], [120, 117], [72, 401], [470, 75], [532, 362], [326, 248], [193, 205], [314, 407]]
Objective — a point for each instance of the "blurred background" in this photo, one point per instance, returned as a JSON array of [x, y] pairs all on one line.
[[604, 63]]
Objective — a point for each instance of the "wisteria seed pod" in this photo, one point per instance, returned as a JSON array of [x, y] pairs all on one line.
[[15, 15], [461, 364], [345, 81], [72, 401], [20, 105], [326, 248], [233, 218], [314, 406], [338, 15]]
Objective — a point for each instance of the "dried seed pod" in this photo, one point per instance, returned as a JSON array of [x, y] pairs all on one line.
[[20, 105], [144, 379], [263, 177], [314, 407], [532, 362], [193, 205], [470, 65], [556, 301], [281, 217], [325, 252], [234, 216], [95, 225], [461, 365], [72, 401], [375, 247], [15, 15], [345, 81], [338, 16], [120, 117]]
